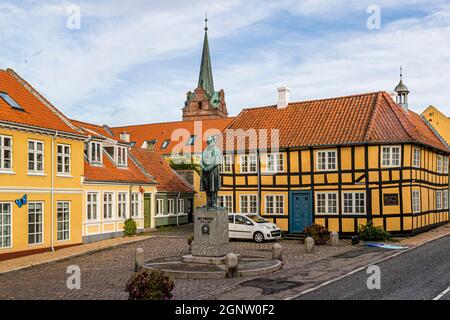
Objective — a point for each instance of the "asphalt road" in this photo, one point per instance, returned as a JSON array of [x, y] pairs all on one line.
[[419, 274]]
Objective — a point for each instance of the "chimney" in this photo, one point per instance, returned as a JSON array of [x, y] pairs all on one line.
[[283, 97], [125, 136]]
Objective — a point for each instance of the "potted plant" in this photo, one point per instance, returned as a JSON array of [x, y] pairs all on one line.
[[149, 285], [319, 233], [129, 228]]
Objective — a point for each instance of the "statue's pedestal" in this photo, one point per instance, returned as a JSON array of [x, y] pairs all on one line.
[[210, 232]]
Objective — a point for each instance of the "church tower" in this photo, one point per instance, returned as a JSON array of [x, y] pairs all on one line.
[[205, 103]]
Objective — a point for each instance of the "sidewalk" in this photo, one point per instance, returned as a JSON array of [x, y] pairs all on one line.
[[66, 253]]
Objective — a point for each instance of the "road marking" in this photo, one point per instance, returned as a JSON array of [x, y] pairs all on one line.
[[443, 293]]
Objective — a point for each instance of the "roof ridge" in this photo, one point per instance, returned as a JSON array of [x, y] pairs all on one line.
[[168, 122], [44, 101]]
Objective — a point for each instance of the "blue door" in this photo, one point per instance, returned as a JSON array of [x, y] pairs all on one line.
[[300, 211]]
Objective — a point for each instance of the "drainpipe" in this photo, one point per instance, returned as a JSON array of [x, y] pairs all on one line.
[[52, 192], [177, 213]]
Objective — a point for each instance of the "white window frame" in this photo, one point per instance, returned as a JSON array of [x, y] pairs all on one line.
[[35, 154], [159, 207], [64, 156], [440, 164], [41, 223], [275, 162], [416, 157], [445, 199], [226, 164], [439, 204], [226, 201], [415, 201], [248, 162], [388, 161], [353, 212], [108, 205], [328, 165], [327, 205], [180, 206], [90, 204], [121, 156], [2, 153], [3, 225], [247, 198], [135, 205], [97, 148], [63, 221], [170, 206], [446, 164], [122, 205], [272, 202]]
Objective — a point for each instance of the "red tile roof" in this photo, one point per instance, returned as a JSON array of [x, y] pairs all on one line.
[[357, 119], [164, 131], [168, 180], [38, 112], [95, 130], [109, 172]]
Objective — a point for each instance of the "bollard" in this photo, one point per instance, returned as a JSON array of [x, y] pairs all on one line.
[[277, 251], [309, 245], [139, 259], [334, 238], [231, 261]]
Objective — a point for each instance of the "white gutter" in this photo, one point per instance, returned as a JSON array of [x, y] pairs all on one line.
[[52, 192]]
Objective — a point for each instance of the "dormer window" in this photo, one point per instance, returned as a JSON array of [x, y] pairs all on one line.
[[165, 144], [191, 140], [121, 159], [150, 144], [95, 152]]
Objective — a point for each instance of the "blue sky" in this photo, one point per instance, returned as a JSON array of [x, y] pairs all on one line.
[[133, 63]]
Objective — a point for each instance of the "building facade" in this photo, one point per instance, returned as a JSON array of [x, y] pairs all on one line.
[[439, 121]]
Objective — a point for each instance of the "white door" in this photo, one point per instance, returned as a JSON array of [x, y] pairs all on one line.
[[243, 227]]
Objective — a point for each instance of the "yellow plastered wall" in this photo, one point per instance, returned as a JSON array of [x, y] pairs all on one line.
[[439, 121]]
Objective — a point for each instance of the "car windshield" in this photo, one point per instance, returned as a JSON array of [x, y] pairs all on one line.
[[257, 219]]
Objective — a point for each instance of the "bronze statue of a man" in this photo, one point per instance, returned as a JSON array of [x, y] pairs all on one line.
[[210, 181]]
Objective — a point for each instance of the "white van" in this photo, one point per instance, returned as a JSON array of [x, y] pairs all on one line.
[[252, 226]]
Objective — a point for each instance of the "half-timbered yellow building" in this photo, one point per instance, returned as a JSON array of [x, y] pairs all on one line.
[[338, 162]]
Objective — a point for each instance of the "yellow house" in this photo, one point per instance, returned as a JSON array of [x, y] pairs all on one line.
[[439, 121], [338, 162], [41, 165]]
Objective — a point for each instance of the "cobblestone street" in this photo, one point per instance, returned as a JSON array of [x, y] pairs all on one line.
[[104, 274]]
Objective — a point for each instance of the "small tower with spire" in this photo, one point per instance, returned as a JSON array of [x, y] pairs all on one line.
[[205, 102], [402, 92]]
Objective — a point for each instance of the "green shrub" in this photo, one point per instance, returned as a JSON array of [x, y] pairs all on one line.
[[319, 233], [149, 285], [371, 233], [129, 228]]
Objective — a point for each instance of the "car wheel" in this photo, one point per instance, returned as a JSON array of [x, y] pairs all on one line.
[[258, 237]]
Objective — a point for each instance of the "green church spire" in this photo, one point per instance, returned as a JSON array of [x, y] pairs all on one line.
[[205, 79]]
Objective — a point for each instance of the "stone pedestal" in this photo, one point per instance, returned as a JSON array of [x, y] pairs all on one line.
[[210, 232]]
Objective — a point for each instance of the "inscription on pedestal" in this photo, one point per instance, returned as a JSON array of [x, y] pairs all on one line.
[[210, 232]]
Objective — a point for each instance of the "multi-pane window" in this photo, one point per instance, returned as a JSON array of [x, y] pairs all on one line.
[[35, 215], [135, 205], [63, 159], [63, 220], [275, 162], [5, 224], [121, 156], [92, 206], [5, 153], [181, 206], [445, 199], [445, 165], [326, 203], [326, 160], [226, 164], [274, 204], [416, 158], [416, 201], [122, 205], [391, 156], [171, 206], [439, 200], [248, 163], [440, 164], [249, 204], [35, 156], [354, 202], [95, 154], [226, 202], [108, 205], [159, 206]]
